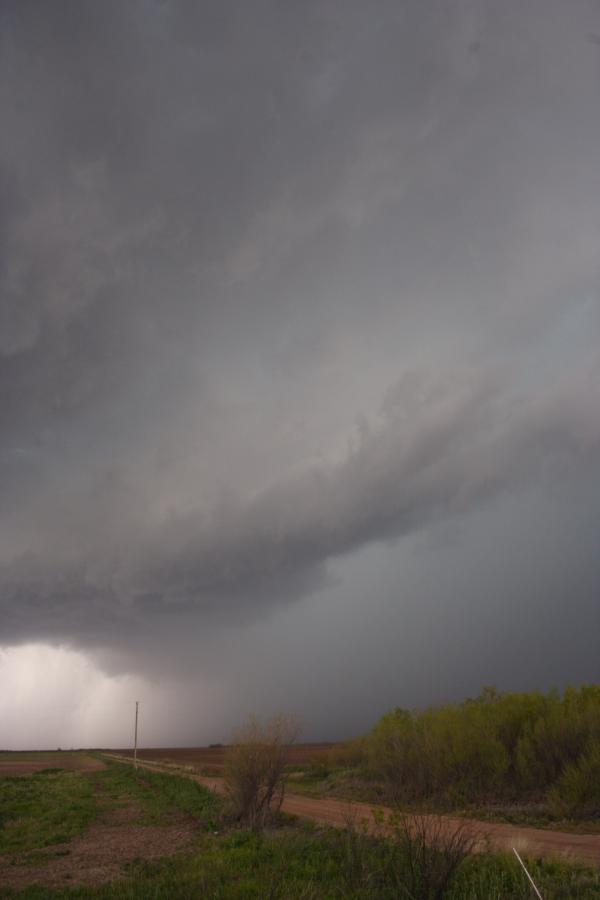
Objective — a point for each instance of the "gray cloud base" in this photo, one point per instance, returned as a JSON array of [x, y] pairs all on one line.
[[443, 447]]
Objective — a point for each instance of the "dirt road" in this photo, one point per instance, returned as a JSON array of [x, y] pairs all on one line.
[[583, 848]]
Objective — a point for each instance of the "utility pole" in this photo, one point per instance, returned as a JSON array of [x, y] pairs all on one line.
[[137, 703]]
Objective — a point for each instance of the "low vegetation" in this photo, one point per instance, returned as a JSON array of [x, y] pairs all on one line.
[[159, 794], [255, 770], [44, 809], [296, 860], [523, 757], [497, 747]]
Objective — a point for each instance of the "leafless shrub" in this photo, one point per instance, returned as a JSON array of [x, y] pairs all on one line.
[[255, 766], [431, 850]]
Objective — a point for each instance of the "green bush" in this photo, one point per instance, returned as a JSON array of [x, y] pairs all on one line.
[[577, 792], [318, 769], [495, 747]]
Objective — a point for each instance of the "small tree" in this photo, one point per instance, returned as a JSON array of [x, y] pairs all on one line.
[[255, 769]]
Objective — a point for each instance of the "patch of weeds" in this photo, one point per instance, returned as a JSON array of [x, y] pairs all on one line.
[[535, 815], [497, 876], [44, 809], [345, 784]]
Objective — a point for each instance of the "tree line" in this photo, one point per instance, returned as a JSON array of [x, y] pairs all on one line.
[[495, 747]]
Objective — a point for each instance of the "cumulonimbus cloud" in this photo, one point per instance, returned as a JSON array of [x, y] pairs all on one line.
[[442, 446]]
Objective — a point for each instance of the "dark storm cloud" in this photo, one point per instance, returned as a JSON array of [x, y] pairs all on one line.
[[230, 232], [443, 447]]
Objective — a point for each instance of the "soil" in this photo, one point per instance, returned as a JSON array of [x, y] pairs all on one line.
[[76, 761], [213, 757]]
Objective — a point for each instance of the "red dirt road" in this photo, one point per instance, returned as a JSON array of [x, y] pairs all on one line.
[[583, 848], [500, 836]]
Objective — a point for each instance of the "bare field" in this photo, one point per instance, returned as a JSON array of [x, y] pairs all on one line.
[[214, 757], [28, 763]]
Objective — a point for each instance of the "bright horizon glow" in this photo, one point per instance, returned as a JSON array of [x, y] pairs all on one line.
[[62, 695]]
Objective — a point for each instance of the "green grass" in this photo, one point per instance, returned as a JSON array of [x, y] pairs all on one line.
[[44, 809], [295, 863], [345, 783], [498, 877], [160, 794], [535, 815], [54, 806]]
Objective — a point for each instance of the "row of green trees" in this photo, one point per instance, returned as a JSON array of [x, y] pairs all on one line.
[[495, 747]]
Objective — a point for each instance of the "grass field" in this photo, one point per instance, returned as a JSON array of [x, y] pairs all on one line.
[[115, 833]]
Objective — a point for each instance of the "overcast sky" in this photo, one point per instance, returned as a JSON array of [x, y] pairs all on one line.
[[299, 360]]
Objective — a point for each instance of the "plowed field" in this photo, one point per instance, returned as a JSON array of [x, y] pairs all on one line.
[[19, 763], [213, 757]]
